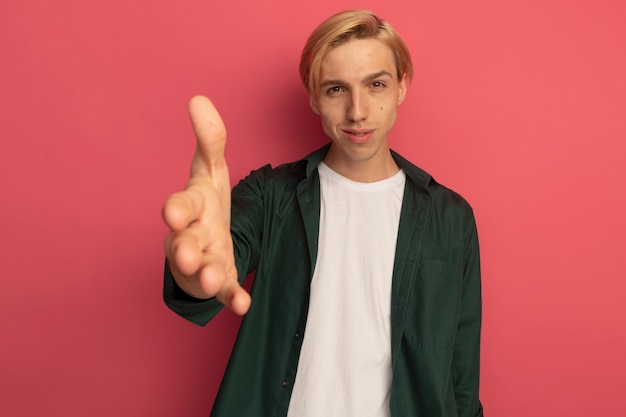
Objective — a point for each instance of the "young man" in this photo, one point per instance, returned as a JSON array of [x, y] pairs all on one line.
[[366, 300]]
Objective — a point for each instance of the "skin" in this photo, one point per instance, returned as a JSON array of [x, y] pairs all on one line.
[[357, 104], [199, 247]]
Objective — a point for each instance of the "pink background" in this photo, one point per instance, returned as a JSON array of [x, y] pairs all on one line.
[[518, 105]]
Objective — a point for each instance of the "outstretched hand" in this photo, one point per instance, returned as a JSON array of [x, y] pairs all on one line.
[[199, 247]]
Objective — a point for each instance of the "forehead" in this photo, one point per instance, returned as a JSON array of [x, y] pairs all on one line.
[[357, 58]]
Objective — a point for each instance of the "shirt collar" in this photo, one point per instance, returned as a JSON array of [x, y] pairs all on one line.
[[418, 176]]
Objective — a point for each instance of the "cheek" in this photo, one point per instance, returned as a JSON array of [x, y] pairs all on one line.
[[388, 105], [388, 113], [324, 118], [330, 116], [327, 122]]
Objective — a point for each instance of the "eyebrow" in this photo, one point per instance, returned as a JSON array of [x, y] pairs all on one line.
[[365, 80]]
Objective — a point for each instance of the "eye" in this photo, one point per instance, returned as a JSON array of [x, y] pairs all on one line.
[[334, 90], [378, 84]]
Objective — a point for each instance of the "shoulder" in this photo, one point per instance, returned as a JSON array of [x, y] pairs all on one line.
[[443, 198], [443, 195], [269, 183], [282, 176], [285, 176]]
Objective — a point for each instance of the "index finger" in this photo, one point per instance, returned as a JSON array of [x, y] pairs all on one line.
[[210, 134], [182, 208]]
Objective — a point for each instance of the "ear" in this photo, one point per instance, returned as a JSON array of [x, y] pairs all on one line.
[[402, 88], [313, 102]]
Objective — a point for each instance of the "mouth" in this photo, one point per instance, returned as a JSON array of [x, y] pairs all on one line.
[[358, 135]]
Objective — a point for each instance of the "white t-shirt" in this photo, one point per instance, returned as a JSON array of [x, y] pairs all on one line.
[[344, 368]]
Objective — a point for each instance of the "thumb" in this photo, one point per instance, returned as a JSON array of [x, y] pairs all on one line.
[[210, 135]]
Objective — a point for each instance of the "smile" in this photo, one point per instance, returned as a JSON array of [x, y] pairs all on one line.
[[358, 136]]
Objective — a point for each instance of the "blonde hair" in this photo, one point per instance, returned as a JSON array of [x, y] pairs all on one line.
[[341, 28]]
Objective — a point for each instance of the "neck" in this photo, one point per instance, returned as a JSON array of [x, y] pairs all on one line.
[[376, 168]]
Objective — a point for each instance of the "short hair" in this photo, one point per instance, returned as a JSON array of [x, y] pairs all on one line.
[[341, 28]]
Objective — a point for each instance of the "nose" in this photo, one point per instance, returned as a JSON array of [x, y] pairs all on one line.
[[358, 107]]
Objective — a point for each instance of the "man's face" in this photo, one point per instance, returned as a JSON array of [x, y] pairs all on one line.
[[357, 101]]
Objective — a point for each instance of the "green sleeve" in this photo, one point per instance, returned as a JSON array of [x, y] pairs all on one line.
[[190, 308], [466, 356]]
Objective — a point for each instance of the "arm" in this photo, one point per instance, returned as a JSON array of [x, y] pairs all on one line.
[[466, 356], [199, 248], [247, 215]]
